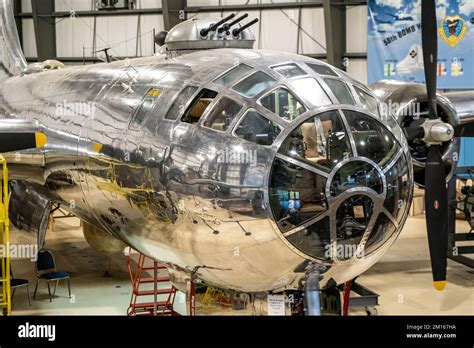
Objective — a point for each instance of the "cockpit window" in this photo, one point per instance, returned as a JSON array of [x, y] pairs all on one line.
[[311, 91], [314, 240], [352, 216], [354, 174], [296, 195], [233, 75], [254, 84], [142, 111], [340, 90], [322, 69], [257, 128], [145, 107], [372, 139], [381, 232], [223, 114], [283, 103], [180, 102], [320, 141], [289, 70], [199, 106], [368, 102]]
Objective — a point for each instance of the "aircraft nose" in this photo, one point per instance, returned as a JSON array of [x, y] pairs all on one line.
[[339, 187]]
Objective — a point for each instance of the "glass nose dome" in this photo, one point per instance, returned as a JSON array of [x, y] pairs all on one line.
[[339, 185]]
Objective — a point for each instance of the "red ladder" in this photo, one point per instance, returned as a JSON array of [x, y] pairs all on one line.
[[140, 279]]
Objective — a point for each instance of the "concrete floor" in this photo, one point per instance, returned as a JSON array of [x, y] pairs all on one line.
[[402, 278]]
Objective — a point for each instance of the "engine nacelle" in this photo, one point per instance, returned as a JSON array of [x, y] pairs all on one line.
[[101, 240], [408, 102], [29, 209]]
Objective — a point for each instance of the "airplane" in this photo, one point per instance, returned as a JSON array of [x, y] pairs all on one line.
[[399, 16], [413, 61], [244, 169]]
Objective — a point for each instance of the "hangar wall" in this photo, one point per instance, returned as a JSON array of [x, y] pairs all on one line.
[[278, 30]]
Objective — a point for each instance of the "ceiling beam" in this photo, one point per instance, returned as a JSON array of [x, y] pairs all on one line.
[[270, 6], [335, 27], [45, 28], [96, 13], [173, 12]]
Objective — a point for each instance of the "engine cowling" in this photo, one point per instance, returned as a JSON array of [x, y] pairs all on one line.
[[101, 240], [408, 102]]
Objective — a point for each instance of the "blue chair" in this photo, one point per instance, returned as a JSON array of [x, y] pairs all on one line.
[[46, 270], [16, 283]]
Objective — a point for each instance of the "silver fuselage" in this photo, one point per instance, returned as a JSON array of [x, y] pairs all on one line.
[[158, 187]]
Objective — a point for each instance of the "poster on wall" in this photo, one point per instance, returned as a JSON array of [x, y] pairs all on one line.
[[394, 42]]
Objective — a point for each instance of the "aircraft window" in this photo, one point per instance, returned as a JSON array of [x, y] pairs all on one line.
[[314, 240], [145, 106], [199, 106], [371, 138], [341, 91], [381, 232], [254, 84], [256, 128], [322, 69], [289, 70], [353, 217], [311, 90], [180, 102], [368, 102], [233, 75], [397, 189], [354, 174], [142, 111], [283, 103], [222, 114], [320, 140], [296, 194]]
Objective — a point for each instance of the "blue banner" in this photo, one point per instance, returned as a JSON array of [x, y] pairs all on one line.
[[394, 42]]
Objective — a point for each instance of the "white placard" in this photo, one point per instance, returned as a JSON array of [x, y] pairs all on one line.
[[276, 305]]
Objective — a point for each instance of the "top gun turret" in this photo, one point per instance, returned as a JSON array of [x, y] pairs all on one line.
[[208, 33]]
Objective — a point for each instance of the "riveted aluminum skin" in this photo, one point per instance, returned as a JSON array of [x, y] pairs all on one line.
[[159, 187], [12, 61]]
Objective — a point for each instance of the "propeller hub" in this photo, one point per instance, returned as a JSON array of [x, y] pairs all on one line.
[[437, 132]]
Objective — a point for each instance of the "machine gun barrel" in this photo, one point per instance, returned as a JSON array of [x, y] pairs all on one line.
[[234, 22], [214, 26], [236, 32]]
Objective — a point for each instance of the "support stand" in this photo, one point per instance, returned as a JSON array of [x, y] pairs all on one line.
[[455, 252], [191, 295], [108, 271], [62, 215], [365, 298]]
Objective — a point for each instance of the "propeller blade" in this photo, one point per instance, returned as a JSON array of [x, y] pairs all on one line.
[[464, 130], [436, 207], [429, 38], [436, 195], [21, 141]]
